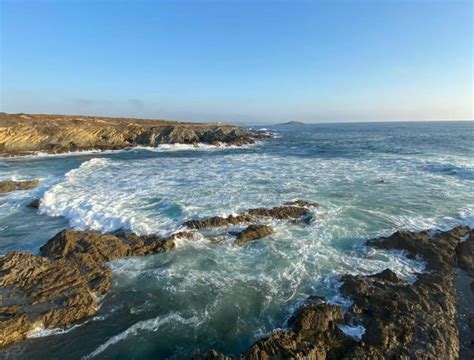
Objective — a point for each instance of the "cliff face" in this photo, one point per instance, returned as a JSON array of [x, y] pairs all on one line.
[[21, 134]]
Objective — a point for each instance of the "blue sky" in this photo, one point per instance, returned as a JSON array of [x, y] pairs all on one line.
[[239, 61]]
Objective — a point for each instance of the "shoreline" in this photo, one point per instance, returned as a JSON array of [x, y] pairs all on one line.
[[24, 135]]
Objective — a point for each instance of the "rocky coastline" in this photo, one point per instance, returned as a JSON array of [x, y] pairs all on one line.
[[395, 319], [388, 318], [26, 134]]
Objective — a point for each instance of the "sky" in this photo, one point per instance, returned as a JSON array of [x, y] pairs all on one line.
[[239, 61]]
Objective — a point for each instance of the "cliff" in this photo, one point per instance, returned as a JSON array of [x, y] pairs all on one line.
[[22, 134]]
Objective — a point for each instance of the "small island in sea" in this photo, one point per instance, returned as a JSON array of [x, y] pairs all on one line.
[[297, 123]]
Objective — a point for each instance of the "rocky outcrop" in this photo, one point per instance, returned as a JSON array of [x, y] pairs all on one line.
[[9, 185], [252, 232], [22, 134], [61, 286], [399, 320], [298, 210]]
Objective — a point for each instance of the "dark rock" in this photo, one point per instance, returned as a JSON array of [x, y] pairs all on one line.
[[302, 203], [316, 316], [401, 320], [217, 221], [9, 186], [61, 286], [436, 248], [253, 232], [314, 335], [298, 210], [34, 204], [465, 254]]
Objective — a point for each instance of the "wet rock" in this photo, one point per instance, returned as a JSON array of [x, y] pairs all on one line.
[[302, 203], [34, 204], [61, 286], [314, 335], [465, 254], [401, 320], [253, 232], [298, 210], [438, 249], [217, 221], [9, 186]]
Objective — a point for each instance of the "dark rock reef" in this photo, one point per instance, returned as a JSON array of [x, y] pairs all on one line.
[[9, 185], [22, 134], [400, 320], [298, 210], [60, 287]]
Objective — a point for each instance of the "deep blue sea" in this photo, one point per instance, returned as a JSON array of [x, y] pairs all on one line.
[[369, 178]]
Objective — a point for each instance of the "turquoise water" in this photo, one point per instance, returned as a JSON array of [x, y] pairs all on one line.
[[370, 179]]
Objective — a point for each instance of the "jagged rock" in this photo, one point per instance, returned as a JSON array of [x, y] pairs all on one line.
[[9, 186], [22, 135], [252, 232], [217, 221], [465, 254], [38, 293], [61, 286], [401, 320], [302, 203], [295, 210], [438, 249], [314, 335]]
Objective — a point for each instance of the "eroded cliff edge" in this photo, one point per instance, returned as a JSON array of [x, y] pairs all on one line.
[[23, 134]]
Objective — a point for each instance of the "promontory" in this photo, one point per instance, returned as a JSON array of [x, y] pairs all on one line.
[[23, 134]]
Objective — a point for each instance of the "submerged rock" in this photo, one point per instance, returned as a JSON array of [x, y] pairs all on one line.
[[35, 204], [9, 185], [252, 232], [61, 286]]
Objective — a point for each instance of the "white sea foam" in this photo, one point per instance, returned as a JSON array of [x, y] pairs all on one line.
[[145, 325], [264, 280], [40, 331]]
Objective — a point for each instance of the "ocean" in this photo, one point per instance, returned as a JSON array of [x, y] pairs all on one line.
[[370, 180]]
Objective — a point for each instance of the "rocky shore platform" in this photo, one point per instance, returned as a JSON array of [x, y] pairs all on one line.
[[25, 134]]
